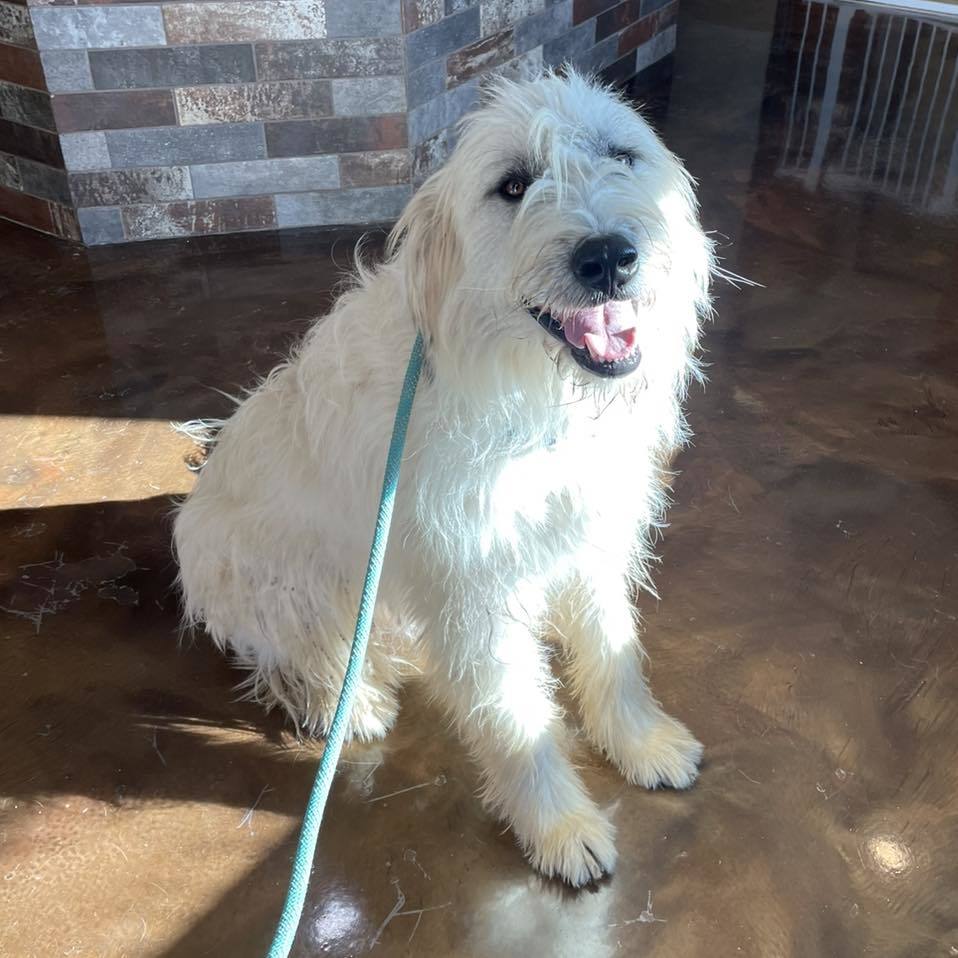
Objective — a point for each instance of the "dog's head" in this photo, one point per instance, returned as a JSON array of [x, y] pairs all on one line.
[[560, 226]]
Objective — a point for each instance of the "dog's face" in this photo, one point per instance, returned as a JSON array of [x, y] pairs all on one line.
[[561, 220]]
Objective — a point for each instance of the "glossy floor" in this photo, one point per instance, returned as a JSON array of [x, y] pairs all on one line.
[[809, 606]]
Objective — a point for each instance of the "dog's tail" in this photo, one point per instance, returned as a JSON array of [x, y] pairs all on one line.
[[204, 432]]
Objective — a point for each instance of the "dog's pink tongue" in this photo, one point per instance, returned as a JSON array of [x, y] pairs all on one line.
[[608, 331]]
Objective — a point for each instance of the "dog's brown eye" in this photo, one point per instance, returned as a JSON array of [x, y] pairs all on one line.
[[623, 156], [513, 188]]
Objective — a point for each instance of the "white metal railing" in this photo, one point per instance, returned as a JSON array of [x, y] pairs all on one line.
[[893, 126]]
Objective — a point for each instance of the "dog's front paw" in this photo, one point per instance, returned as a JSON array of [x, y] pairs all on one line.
[[579, 848], [665, 754]]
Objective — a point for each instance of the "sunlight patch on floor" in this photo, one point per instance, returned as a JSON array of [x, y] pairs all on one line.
[[68, 460]]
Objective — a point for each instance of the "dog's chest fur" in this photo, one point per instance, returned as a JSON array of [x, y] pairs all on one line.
[[531, 486]]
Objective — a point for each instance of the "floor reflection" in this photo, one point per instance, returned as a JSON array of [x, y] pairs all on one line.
[[872, 103]]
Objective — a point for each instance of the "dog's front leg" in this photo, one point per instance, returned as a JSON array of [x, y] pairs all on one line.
[[595, 621], [489, 671]]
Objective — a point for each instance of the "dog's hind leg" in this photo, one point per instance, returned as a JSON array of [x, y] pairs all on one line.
[[300, 668], [595, 621], [497, 686]]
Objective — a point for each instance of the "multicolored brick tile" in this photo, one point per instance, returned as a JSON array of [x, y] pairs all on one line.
[[127, 120]]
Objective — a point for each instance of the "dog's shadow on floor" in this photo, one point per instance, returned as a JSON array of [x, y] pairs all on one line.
[[106, 681]]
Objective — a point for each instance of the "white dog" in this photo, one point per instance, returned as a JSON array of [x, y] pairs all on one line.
[[557, 272]]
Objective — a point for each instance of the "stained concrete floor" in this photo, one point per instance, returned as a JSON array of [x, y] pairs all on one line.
[[806, 629]]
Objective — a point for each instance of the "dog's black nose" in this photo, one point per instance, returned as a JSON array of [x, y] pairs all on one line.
[[605, 263]]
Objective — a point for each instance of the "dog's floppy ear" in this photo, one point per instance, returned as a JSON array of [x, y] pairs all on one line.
[[425, 248]]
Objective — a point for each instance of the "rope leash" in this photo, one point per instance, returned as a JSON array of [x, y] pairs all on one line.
[[313, 817]]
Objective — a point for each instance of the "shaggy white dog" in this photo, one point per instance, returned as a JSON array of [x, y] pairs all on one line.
[[557, 271]]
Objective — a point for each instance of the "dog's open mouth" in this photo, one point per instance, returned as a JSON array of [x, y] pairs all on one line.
[[602, 339]]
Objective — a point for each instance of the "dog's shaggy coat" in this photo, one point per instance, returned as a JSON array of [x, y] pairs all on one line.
[[534, 470]]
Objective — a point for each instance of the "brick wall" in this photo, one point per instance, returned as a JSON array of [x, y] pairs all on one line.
[[33, 184], [208, 116], [451, 46]]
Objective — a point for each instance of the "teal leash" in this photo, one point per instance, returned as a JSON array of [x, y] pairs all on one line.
[[313, 818]]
